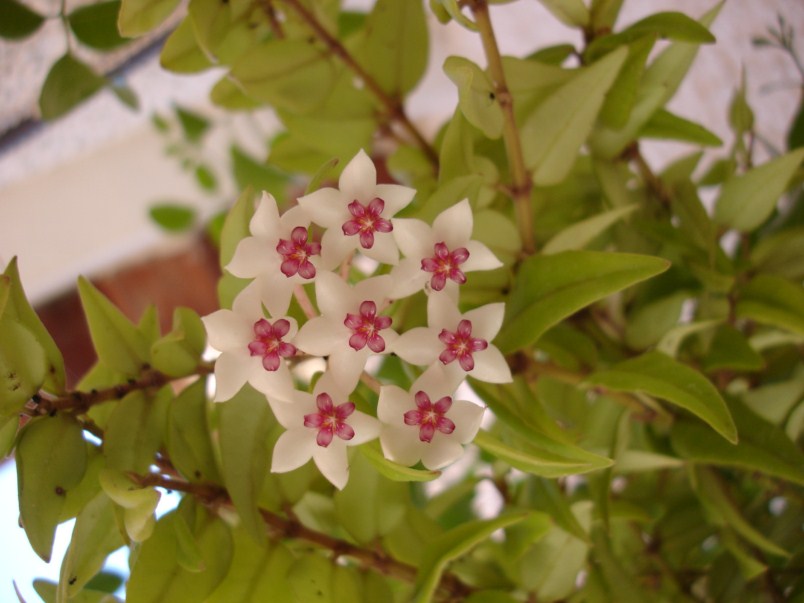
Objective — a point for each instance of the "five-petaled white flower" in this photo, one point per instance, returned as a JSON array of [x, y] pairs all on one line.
[[320, 426], [278, 255], [439, 256], [252, 349], [461, 342], [350, 328], [427, 423], [357, 215]]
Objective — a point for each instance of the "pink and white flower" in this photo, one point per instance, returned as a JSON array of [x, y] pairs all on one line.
[[461, 342], [253, 349], [439, 257], [320, 426], [278, 255], [427, 423], [357, 215]]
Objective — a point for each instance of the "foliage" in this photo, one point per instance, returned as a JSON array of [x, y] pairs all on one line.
[[646, 443]]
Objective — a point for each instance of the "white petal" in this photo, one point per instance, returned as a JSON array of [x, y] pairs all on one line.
[[265, 221], [333, 463], [442, 451], [443, 313], [401, 444], [293, 448], [396, 197], [326, 207], [321, 336], [249, 301], [408, 278], [278, 383], [231, 373], [384, 249], [437, 382], [293, 217], [419, 346], [254, 256], [454, 225], [392, 404], [276, 291], [366, 428], [336, 247], [490, 366], [346, 365], [467, 417], [376, 288], [227, 330], [480, 258], [414, 238], [334, 296], [290, 413], [359, 179], [486, 320]]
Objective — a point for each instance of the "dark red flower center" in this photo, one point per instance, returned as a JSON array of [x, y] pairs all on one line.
[[330, 420], [430, 417], [444, 264], [461, 345], [366, 221], [365, 328], [296, 252], [268, 343]]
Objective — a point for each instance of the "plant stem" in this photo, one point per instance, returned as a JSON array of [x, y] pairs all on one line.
[[652, 181], [392, 105], [522, 183], [273, 21]]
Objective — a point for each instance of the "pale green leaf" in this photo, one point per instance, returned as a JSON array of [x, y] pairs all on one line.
[[622, 95], [23, 366], [236, 226], [580, 234], [649, 323], [668, 126], [172, 216], [135, 430], [178, 353], [189, 441], [68, 83], [570, 12], [8, 433], [395, 471], [96, 25], [181, 52], [476, 98], [138, 17], [774, 301], [227, 94]]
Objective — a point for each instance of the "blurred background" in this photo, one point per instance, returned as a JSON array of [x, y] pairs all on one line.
[[81, 194]]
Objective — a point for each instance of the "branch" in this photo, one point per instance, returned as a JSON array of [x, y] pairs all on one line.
[[652, 181], [392, 105], [522, 183]]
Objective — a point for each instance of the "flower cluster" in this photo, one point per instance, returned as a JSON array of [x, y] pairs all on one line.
[[258, 341]]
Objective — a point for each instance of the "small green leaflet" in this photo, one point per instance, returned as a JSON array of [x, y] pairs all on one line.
[[69, 83]]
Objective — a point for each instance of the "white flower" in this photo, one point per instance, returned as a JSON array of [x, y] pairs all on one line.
[[350, 328], [426, 423], [278, 255], [320, 426], [357, 214], [252, 350], [440, 255], [460, 341]]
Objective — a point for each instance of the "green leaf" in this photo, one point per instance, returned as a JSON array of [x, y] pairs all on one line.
[[189, 442], [173, 217], [95, 536], [138, 17], [229, 95], [555, 131], [570, 12], [138, 503], [341, 137], [773, 300], [658, 375], [193, 125], [452, 545], [668, 126], [395, 471], [22, 366], [245, 421], [763, 447], [51, 460], [126, 95], [96, 25], [68, 83], [8, 433], [395, 51], [780, 254], [17, 21], [181, 52], [550, 288], [542, 456], [476, 97], [117, 342], [649, 323], [622, 95], [730, 350], [261, 176], [747, 200], [19, 309], [205, 178], [580, 234], [741, 117], [236, 226], [178, 354], [135, 430]]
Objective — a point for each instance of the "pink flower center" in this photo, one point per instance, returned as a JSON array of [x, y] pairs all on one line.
[[430, 417], [330, 420], [268, 343], [296, 252], [461, 345], [366, 221], [365, 328], [444, 264]]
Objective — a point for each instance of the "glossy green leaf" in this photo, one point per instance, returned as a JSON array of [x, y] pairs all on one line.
[[68, 83], [550, 288], [668, 126], [51, 460], [476, 98], [580, 234], [570, 12], [763, 447], [173, 217], [117, 342], [135, 430], [17, 21], [747, 200], [178, 353], [96, 25], [555, 131], [95, 537], [395, 471], [245, 421], [454, 544], [138, 17], [189, 442], [181, 52], [658, 375], [622, 95], [774, 301], [634, 461]]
